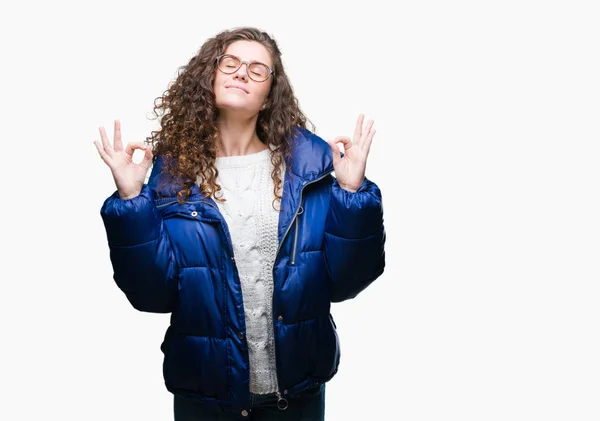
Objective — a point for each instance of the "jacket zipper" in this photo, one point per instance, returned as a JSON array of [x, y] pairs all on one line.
[[297, 220], [282, 402]]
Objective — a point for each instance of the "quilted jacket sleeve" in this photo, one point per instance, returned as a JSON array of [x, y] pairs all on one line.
[[143, 261], [354, 239]]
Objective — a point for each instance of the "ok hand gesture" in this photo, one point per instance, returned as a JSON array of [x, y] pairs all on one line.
[[129, 176], [350, 170]]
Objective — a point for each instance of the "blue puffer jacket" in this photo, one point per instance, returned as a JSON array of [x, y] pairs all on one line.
[[178, 258]]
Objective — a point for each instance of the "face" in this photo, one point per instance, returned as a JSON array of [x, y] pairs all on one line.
[[237, 91]]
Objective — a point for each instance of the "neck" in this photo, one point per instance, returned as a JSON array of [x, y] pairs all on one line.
[[238, 135]]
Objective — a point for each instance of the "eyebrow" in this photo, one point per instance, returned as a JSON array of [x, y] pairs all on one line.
[[251, 61]]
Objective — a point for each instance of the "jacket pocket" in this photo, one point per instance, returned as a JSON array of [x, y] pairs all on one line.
[[197, 363]]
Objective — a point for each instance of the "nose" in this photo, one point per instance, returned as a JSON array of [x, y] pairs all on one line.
[[242, 72]]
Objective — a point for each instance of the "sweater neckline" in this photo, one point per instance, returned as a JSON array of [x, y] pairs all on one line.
[[242, 160]]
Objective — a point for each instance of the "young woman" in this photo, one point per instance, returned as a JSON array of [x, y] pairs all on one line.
[[243, 234]]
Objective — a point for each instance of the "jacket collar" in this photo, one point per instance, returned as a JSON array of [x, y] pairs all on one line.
[[311, 156], [311, 159]]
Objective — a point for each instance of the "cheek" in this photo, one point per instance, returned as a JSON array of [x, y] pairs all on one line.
[[264, 91], [217, 82], [218, 86]]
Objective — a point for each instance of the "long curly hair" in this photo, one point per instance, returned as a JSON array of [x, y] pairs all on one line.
[[188, 133]]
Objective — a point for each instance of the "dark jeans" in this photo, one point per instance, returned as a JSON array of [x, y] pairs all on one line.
[[310, 406]]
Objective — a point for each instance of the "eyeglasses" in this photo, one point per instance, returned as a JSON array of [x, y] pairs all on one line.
[[257, 71]]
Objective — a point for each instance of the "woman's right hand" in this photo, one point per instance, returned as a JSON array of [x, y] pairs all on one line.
[[129, 176]]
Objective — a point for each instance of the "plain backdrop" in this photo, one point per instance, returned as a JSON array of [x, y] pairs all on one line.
[[486, 152]]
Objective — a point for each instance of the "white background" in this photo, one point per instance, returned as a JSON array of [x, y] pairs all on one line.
[[486, 152]]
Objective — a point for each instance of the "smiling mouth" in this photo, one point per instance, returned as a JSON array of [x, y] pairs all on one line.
[[235, 87]]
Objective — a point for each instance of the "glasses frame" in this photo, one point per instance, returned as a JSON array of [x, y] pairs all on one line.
[[247, 63]]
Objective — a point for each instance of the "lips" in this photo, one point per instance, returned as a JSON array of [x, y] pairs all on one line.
[[241, 88]]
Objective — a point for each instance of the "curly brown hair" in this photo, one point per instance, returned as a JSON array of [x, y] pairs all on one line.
[[189, 134]]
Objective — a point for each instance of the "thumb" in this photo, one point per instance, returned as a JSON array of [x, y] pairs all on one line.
[[147, 156]]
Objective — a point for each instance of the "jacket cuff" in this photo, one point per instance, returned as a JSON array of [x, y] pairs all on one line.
[[355, 215], [130, 222]]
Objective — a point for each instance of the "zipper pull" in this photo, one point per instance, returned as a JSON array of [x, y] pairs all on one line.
[[282, 403]]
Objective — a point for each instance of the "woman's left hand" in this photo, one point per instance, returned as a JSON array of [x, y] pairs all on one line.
[[350, 170]]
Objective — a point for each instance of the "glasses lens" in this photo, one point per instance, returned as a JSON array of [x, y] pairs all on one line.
[[258, 72], [228, 64]]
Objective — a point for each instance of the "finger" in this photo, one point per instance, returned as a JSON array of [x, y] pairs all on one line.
[[358, 128], [366, 146], [117, 137], [335, 151], [366, 132], [107, 159], [132, 146], [345, 140], [105, 143]]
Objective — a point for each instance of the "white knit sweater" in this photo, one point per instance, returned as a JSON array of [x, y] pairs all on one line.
[[247, 186]]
